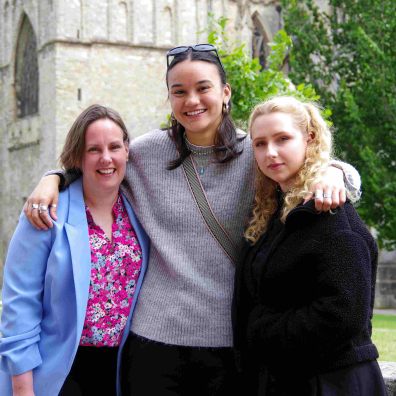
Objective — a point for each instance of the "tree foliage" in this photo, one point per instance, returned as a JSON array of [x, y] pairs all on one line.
[[250, 84], [348, 54]]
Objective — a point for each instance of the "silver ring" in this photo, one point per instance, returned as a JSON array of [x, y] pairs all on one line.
[[52, 206], [318, 194], [326, 196], [42, 208], [35, 206]]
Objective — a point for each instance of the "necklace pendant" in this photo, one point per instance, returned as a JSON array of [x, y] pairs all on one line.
[[201, 170]]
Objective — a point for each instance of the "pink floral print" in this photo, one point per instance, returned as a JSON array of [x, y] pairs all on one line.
[[115, 268]]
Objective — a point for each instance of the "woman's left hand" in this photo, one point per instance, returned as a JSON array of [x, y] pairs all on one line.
[[330, 192]]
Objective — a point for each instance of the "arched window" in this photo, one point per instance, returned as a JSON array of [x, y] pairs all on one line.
[[26, 71], [260, 48]]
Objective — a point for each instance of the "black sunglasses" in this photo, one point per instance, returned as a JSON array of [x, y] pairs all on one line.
[[196, 48]]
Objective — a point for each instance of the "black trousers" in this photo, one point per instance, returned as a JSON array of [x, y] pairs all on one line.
[[93, 372], [151, 368]]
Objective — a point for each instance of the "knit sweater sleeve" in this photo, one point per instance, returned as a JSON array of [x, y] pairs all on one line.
[[351, 178], [339, 311]]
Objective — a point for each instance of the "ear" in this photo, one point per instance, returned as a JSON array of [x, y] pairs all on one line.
[[311, 136], [227, 93], [126, 145]]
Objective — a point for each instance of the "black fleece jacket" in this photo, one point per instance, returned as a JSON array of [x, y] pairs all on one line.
[[303, 303]]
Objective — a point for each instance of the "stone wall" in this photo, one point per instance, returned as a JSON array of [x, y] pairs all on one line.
[[385, 294], [95, 51], [22, 156], [388, 370]]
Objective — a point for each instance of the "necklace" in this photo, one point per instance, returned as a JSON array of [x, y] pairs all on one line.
[[201, 163], [201, 170], [202, 155], [199, 150]]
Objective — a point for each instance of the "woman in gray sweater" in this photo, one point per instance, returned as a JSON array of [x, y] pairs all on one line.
[[181, 333]]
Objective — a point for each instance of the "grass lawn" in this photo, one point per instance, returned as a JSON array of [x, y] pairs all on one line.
[[384, 336]]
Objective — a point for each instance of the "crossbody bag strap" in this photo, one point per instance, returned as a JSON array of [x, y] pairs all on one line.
[[211, 221]]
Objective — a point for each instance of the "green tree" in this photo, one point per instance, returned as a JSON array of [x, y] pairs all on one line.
[[349, 57], [250, 84]]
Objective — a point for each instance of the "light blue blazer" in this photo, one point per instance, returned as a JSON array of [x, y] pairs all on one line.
[[45, 293]]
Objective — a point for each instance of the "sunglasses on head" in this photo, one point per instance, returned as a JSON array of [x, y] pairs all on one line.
[[195, 48]]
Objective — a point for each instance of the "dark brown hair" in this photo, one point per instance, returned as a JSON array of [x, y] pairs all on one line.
[[73, 149], [226, 137]]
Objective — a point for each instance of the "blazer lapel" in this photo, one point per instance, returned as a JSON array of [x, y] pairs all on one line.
[[140, 233], [77, 233]]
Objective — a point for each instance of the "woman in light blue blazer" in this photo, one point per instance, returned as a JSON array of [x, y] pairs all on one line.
[[47, 275]]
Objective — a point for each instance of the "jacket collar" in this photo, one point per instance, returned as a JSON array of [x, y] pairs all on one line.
[[76, 228], [76, 216], [307, 208]]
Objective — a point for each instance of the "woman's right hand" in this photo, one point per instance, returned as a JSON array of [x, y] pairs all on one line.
[[42, 202], [22, 384]]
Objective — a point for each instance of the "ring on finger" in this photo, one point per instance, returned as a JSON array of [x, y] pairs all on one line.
[[43, 208], [35, 206], [52, 206], [326, 195], [318, 194]]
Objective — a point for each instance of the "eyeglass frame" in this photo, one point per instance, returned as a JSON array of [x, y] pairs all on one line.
[[194, 49]]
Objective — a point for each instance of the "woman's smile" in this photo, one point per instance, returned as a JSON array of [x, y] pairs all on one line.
[[195, 113]]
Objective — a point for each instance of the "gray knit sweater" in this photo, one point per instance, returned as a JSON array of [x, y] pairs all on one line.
[[186, 294]]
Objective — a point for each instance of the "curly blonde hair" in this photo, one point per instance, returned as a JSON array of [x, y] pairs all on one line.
[[307, 118]]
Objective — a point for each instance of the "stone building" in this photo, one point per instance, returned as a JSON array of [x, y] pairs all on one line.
[[57, 57]]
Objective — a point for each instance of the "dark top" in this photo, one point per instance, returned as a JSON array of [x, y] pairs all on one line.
[[304, 295]]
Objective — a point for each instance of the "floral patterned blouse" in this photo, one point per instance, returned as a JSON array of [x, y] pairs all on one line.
[[115, 268]]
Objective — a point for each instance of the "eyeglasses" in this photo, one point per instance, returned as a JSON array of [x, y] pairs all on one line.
[[196, 48]]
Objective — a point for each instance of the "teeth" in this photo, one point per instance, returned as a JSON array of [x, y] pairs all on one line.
[[193, 113], [106, 171]]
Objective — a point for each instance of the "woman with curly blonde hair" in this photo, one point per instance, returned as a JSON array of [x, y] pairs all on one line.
[[304, 293]]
